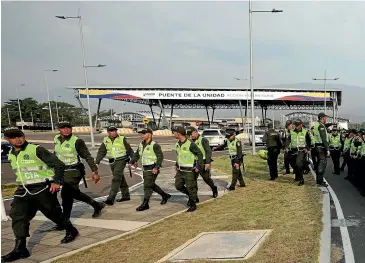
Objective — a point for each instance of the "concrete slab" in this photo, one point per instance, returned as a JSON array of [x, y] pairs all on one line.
[[235, 245], [122, 225]]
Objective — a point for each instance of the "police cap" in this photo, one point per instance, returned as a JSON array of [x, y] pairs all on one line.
[[64, 124], [112, 128], [190, 130], [287, 123], [147, 130], [321, 115], [180, 130], [298, 122], [13, 132]]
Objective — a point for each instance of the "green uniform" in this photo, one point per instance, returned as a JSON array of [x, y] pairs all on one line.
[[321, 144], [346, 152], [70, 150], [273, 144], [204, 147], [119, 152], [298, 140], [35, 169], [335, 145], [188, 157], [151, 157], [236, 156]]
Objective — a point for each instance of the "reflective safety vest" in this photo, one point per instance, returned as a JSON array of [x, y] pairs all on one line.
[[335, 141], [115, 149], [313, 141], [28, 168], [199, 143], [185, 158], [353, 148], [147, 154], [347, 144], [66, 151], [317, 135], [298, 139], [362, 149], [232, 147]]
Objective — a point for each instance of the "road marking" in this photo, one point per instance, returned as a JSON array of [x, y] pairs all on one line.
[[167, 160], [346, 241]]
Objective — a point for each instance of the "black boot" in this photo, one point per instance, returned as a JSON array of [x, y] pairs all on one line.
[[20, 251], [109, 202], [242, 184], [301, 182], [124, 198], [197, 200], [71, 234], [165, 197], [231, 188], [215, 191], [143, 206], [98, 206], [55, 228], [192, 206]]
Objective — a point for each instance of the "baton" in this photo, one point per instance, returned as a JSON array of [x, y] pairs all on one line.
[[84, 179], [130, 171]]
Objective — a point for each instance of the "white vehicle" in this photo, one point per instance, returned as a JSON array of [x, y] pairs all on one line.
[[258, 137], [216, 137]]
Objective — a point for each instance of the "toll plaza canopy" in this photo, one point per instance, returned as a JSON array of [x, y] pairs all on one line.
[[216, 97]]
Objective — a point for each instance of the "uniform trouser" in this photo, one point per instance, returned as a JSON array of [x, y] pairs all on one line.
[[335, 155], [186, 183], [346, 157], [272, 161], [236, 175], [361, 174], [286, 163], [314, 158], [297, 161], [322, 163], [71, 190], [150, 185], [23, 210], [357, 172], [351, 167], [118, 181], [205, 174]]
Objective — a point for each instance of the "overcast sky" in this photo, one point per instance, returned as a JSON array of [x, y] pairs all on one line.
[[179, 43]]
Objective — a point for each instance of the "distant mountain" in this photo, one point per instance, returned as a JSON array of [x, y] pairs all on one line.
[[353, 99]]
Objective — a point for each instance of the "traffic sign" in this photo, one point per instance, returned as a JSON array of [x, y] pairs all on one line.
[[146, 120]]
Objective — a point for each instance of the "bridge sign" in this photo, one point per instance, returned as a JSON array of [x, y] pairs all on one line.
[[146, 120]]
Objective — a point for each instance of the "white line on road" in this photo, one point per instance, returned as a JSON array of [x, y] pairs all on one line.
[[346, 241]]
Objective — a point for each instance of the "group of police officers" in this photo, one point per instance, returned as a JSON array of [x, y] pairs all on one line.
[[40, 174], [302, 147]]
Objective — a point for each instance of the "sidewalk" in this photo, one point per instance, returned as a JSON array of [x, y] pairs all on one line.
[[118, 219]]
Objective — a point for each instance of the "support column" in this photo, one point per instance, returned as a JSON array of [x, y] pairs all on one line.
[[153, 115], [97, 114], [262, 114], [243, 122], [265, 110], [213, 114], [159, 120], [164, 121], [206, 108], [172, 112], [82, 106]]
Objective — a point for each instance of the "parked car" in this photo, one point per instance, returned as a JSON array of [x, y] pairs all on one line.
[[258, 137], [216, 137]]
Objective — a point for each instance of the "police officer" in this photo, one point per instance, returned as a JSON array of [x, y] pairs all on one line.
[[236, 157], [346, 149], [119, 152], [189, 162], [288, 128], [39, 174], [362, 164], [298, 145], [335, 146], [353, 164], [70, 149], [204, 147], [321, 145], [273, 145], [152, 157]]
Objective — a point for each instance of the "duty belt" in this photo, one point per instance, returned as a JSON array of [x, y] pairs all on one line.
[[112, 160], [334, 148], [34, 181]]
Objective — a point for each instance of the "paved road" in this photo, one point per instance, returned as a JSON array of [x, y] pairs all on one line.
[[353, 207]]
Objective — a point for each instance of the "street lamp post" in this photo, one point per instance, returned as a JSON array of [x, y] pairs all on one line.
[[20, 111], [58, 118], [85, 72], [251, 69], [49, 101], [325, 89]]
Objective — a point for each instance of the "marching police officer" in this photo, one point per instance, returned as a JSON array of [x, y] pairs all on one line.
[[297, 146], [273, 145], [70, 149], [204, 147], [119, 152], [353, 163], [236, 157], [189, 162], [39, 174], [152, 157], [346, 149], [335, 146], [288, 128], [321, 145]]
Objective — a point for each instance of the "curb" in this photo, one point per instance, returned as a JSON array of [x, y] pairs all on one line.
[[325, 250], [127, 233]]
